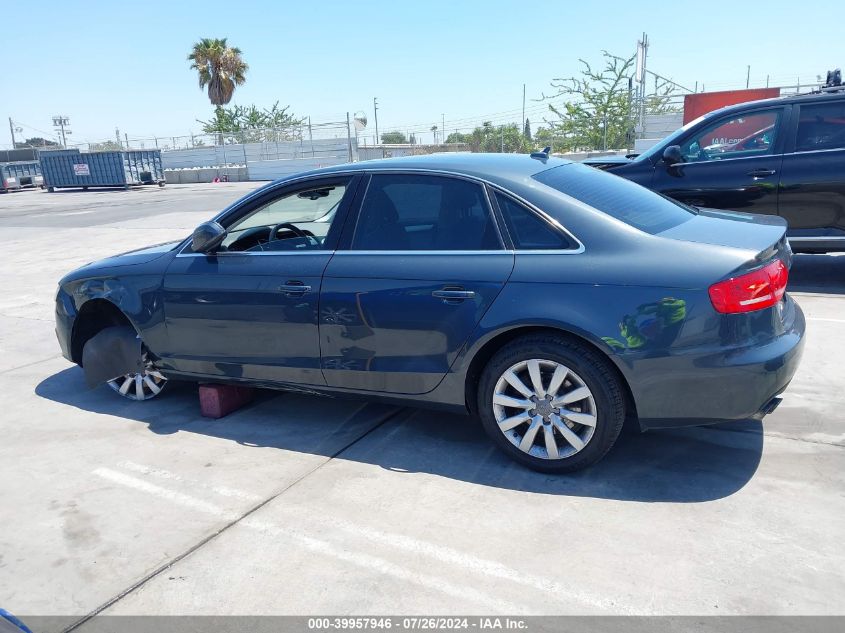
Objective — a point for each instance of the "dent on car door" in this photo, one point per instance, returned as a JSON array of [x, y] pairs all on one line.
[[424, 263], [249, 309], [732, 162]]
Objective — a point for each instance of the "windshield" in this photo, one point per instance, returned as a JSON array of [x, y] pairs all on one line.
[[658, 148], [617, 197]]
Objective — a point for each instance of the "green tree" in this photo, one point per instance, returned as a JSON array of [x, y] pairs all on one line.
[[526, 130], [252, 124], [219, 67], [599, 111], [393, 137], [489, 138], [546, 137], [105, 146], [35, 141]]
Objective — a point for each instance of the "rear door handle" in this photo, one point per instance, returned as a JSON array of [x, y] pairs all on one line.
[[761, 173], [294, 288], [455, 295]]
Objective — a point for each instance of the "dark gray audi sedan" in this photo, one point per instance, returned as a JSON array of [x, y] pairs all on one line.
[[548, 298]]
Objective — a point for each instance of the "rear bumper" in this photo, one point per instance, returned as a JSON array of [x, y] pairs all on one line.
[[714, 386]]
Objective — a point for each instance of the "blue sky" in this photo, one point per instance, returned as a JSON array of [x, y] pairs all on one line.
[[121, 64]]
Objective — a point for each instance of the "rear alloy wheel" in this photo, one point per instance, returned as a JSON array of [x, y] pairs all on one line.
[[551, 403], [139, 385]]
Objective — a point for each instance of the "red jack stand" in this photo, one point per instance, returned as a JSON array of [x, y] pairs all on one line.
[[219, 400]]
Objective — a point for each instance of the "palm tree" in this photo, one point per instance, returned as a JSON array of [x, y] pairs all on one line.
[[220, 67]]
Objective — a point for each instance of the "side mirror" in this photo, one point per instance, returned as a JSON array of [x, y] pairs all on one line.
[[672, 155], [207, 237]]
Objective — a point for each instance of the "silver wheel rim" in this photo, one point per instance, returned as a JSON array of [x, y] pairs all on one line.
[[139, 385], [544, 409]]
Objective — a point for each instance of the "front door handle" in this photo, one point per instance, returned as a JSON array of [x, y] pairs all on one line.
[[761, 173], [294, 288], [453, 295]]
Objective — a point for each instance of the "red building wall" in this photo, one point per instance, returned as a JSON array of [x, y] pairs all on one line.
[[703, 102]]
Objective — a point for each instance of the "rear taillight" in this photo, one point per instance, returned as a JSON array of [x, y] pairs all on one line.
[[756, 290]]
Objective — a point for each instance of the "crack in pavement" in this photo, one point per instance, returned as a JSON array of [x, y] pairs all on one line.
[[35, 362]]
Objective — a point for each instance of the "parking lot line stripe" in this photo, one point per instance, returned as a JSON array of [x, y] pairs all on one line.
[[472, 563], [374, 563], [171, 495], [223, 491], [825, 319], [377, 423]]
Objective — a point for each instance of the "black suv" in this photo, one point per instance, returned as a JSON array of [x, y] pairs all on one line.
[[783, 156]]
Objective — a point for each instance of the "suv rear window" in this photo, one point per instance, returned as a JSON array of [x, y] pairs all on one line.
[[617, 197]]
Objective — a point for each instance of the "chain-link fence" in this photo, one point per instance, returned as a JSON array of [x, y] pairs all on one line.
[[304, 133]]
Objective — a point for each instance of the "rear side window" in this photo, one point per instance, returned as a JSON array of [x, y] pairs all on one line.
[[821, 126], [527, 229], [616, 196], [402, 212]]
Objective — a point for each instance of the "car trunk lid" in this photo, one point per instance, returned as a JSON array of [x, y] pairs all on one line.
[[764, 236]]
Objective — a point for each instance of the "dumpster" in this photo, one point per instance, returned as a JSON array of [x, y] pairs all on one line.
[[27, 173], [8, 179], [62, 169]]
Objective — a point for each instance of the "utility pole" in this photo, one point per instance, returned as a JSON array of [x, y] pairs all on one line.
[[523, 108], [443, 128], [12, 130], [748, 77], [642, 55], [375, 116], [60, 121], [349, 137]]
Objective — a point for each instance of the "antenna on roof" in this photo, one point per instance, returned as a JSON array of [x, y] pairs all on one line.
[[543, 154]]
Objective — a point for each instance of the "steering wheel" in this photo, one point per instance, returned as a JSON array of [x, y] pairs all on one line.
[[290, 227], [303, 233]]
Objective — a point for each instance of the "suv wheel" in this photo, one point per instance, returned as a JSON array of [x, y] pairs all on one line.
[[551, 403]]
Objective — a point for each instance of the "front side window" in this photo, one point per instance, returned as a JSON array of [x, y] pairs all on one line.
[[529, 231], [293, 222], [735, 136], [821, 126], [424, 213]]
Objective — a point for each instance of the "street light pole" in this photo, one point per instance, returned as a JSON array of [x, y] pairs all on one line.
[[12, 130]]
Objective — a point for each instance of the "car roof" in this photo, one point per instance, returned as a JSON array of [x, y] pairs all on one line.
[[807, 97], [497, 168]]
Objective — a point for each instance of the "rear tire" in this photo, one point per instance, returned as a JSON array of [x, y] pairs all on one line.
[[551, 403]]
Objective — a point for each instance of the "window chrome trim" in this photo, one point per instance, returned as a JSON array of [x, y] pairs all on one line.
[[250, 253], [718, 161], [558, 251], [354, 169], [816, 238], [446, 172], [817, 151]]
